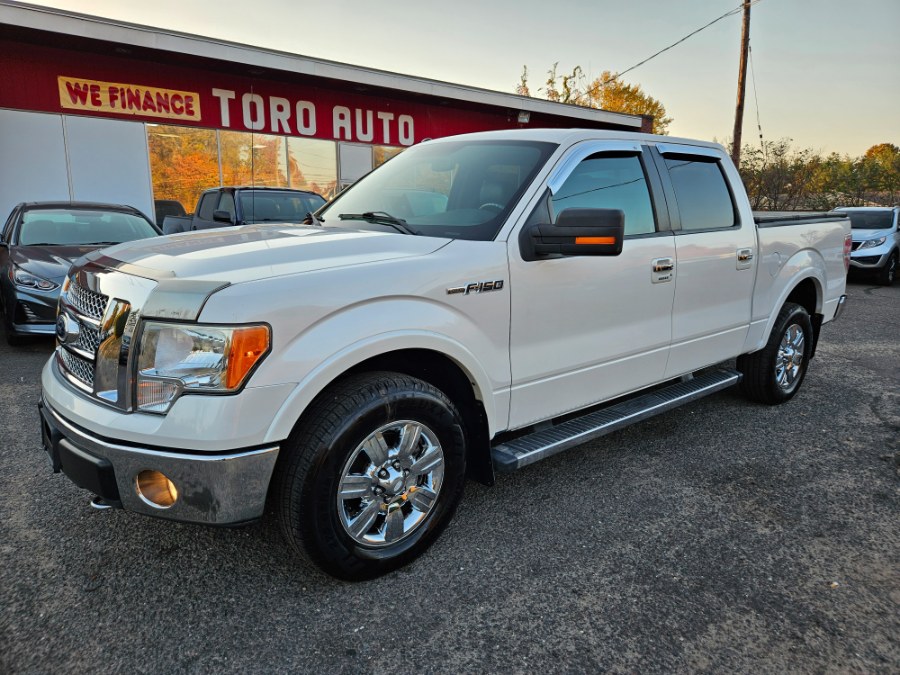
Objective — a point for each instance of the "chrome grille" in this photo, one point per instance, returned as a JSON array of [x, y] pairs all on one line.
[[88, 339], [87, 302], [855, 245], [80, 368]]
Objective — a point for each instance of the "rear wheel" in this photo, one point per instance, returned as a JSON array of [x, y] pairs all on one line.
[[889, 272], [774, 374], [372, 475]]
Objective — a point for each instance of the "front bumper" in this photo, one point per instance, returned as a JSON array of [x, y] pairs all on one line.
[[870, 259], [32, 312], [216, 489]]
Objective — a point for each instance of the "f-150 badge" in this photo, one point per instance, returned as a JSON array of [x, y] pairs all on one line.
[[476, 287]]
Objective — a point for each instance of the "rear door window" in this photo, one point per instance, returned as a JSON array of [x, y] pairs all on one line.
[[704, 200]]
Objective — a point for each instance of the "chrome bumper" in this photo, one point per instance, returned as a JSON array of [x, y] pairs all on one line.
[[215, 489]]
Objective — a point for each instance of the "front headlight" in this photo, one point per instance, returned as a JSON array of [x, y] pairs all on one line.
[[28, 280], [872, 243], [184, 358]]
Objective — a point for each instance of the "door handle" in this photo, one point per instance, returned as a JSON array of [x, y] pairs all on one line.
[[663, 265], [745, 254]]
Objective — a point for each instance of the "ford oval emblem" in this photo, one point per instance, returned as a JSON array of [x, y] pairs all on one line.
[[62, 327], [67, 329]]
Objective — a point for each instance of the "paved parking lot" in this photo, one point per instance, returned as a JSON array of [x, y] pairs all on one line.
[[722, 536]]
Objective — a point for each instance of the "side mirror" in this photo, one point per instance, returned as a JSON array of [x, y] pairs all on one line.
[[576, 232], [223, 217]]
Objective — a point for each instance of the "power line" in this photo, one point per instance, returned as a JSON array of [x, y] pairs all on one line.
[[756, 100], [736, 10]]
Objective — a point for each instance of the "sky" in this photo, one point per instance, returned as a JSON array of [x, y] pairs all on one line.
[[827, 72]]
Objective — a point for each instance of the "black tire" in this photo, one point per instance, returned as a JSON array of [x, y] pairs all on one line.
[[321, 451], [888, 273], [761, 373]]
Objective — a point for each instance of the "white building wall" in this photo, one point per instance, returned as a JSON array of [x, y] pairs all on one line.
[[32, 159], [108, 162], [47, 157]]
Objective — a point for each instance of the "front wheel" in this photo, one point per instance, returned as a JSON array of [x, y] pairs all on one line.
[[889, 272], [774, 373], [372, 475]]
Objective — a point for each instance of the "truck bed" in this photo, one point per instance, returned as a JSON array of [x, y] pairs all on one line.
[[780, 218]]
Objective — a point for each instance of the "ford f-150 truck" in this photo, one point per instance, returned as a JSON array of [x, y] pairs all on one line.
[[220, 207], [478, 303]]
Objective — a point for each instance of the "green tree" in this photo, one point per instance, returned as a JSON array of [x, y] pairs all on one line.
[[780, 177], [606, 92]]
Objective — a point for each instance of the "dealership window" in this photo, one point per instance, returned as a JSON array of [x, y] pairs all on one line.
[[383, 153], [253, 159], [183, 162], [312, 165]]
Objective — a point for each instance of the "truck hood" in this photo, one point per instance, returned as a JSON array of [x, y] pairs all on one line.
[[254, 252]]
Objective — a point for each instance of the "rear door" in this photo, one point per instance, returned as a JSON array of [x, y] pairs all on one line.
[[716, 258], [584, 328]]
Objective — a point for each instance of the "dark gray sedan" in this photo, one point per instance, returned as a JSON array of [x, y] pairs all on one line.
[[37, 246]]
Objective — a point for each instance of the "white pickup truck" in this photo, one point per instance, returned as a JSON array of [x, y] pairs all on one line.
[[479, 302]]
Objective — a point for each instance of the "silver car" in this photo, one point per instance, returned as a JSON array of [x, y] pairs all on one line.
[[876, 241]]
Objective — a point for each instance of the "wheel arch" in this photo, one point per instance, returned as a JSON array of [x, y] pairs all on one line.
[[459, 378], [805, 288]]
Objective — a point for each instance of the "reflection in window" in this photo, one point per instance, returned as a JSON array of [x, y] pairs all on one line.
[[253, 159], [609, 182], [383, 153], [183, 162], [313, 165]]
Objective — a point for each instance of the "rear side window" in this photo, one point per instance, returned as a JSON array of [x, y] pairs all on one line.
[[609, 182], [208, 205], [226, 203], [704, 200]]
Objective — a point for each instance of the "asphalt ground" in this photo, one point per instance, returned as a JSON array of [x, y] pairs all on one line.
[[723, 536]]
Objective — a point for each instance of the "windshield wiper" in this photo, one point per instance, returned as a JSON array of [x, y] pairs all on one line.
[[311, 220], [98, 243], [382, 218]]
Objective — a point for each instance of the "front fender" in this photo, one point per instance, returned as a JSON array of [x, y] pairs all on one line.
[[474, 335], [329, 369]]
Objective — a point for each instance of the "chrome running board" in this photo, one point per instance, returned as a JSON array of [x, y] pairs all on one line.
[[520, 452]]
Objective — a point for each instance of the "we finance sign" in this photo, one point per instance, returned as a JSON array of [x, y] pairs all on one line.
[[128, 99]]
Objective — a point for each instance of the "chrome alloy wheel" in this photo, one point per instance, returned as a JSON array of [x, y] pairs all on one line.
[[390, 483], [789, 361]]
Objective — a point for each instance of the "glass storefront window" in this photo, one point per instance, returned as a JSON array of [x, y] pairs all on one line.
[[313, 165], [253, 159], [183, 162], [383, 153]]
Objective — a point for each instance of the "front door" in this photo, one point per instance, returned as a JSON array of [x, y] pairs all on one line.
[[585, 329]]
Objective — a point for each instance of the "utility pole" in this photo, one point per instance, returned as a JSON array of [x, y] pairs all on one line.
[[742, 86]]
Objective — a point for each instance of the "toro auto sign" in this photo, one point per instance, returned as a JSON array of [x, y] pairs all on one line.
[[36, 77], [274, 114]]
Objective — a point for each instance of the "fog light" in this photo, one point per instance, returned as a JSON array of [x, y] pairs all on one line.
[[156, 489]]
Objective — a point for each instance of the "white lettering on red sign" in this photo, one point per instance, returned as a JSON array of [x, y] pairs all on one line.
[[254, 119], [278, 116]]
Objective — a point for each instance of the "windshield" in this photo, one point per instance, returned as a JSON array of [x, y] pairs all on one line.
[[81, 227], [454, 189], [262, 206], [871, 220]]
